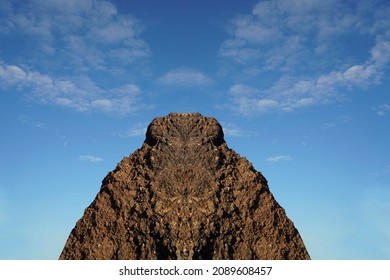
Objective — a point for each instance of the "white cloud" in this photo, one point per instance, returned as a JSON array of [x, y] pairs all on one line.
[[247, 100], [383, 109], [231, 130], [358, 73], [291, 44], [290, 93], [380, 53], [90, 158], [136, 130], [185, 77], [89, 34], [11, 73], [243, 90], [89, 42], [338, 122], [275, 34], [328, 125], [279, 158], [27, 120], [79, 93]]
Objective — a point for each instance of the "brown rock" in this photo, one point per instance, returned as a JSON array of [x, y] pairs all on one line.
[[184, 195]]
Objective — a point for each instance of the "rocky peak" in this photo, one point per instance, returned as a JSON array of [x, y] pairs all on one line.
[[184, 195]]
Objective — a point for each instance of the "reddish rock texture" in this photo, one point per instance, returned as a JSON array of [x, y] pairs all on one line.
[[184, 195]]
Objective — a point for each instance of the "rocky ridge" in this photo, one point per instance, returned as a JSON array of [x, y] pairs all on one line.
[[184, 195]]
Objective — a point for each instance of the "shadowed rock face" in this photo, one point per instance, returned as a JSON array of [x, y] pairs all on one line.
[[184, 195]]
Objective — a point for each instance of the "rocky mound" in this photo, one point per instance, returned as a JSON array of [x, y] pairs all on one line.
[[184, 195]]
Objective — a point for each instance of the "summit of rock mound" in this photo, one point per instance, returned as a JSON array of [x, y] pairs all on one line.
[[184, 195]]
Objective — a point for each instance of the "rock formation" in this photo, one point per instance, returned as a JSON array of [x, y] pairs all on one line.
[[184, 195]]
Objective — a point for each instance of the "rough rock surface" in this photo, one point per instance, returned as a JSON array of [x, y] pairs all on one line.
[[184, 195]]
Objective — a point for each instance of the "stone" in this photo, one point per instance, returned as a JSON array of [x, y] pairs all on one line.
[[184, 195]]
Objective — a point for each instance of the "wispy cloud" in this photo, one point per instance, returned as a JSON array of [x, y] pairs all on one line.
[[90, 158], [291, 46], [74, 48], [79, 93], [230, 129], [136, 130], [340, 121], [382, 110], [27, 120], [90, 34], [279, 158], [185, 77]]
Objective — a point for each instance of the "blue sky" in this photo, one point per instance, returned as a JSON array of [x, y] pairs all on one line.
[[301, 88]]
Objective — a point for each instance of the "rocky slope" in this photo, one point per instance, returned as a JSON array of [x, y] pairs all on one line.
[[184, 195]]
